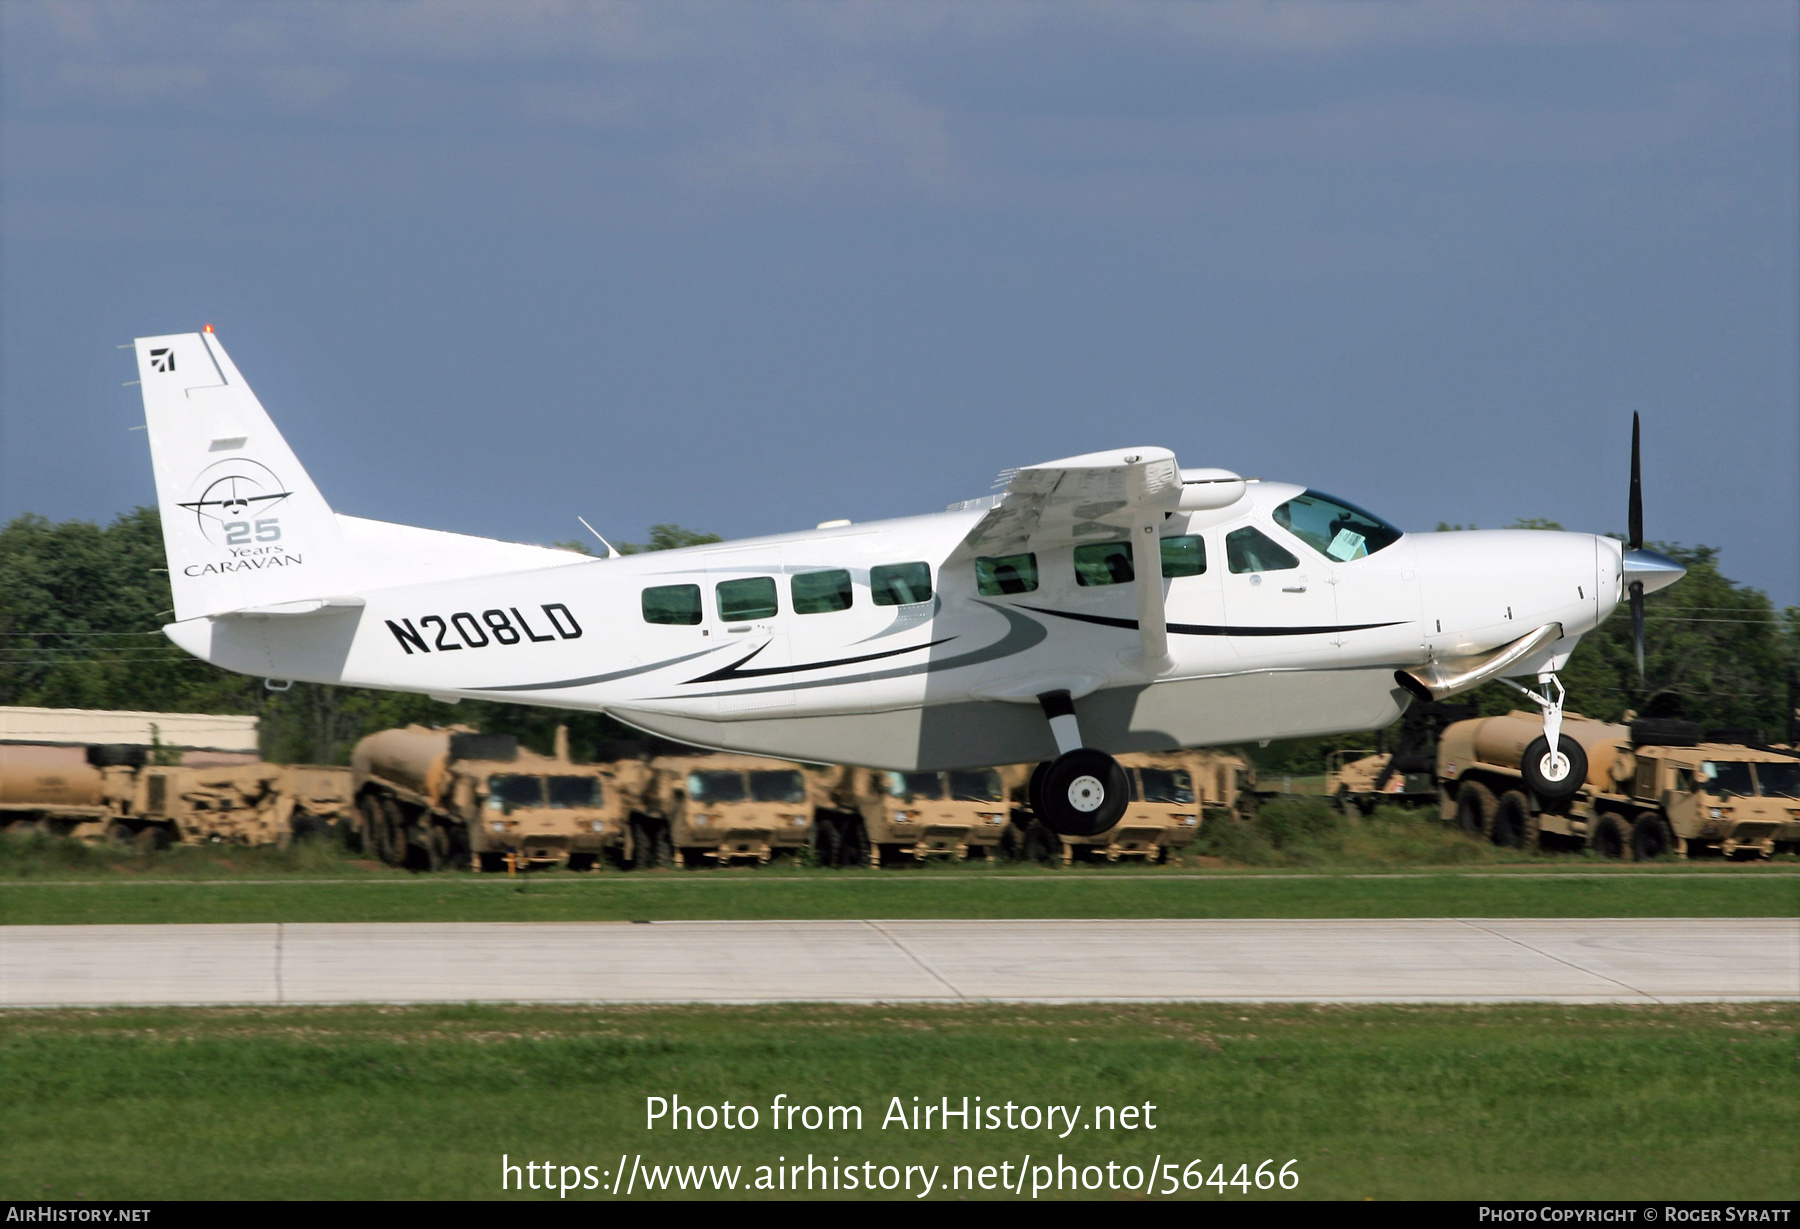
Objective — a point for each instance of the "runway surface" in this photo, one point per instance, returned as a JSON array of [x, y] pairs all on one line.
[[1444, 960]]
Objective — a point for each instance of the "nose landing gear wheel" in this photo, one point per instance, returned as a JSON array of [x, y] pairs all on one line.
[[1081, 793]]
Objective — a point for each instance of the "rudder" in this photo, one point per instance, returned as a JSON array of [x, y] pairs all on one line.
[[243, 525]]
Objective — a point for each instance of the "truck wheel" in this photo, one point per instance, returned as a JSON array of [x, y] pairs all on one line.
[[492, 863], [437, 846], [582, 861], [120, 833], [1511, 816], [151, 838], [1554, 778], [1474, 808], [1042, 846], [650, 844], [1611, 836], [827, 841], [853, 846], [1650, 837]]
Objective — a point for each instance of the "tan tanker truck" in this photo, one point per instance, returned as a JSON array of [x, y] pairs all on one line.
[[107, 791], [711, 808], [1637, 791], [882, 816], [1172, 794], [435, 798]]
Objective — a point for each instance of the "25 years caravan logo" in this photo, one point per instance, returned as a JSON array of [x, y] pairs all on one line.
[[237, 505]]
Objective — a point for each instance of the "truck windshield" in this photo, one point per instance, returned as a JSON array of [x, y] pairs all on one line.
[[910, 785], [1334, 528], [1726, 778], [1167, 785], [716, 786], [570, 792], [787, 786], [510, 789], [1779, 780], [982, 785]]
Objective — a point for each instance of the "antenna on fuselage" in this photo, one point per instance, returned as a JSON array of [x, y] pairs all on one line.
[[610, 552]]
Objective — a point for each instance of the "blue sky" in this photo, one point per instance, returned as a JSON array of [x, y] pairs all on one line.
[[750, 267]]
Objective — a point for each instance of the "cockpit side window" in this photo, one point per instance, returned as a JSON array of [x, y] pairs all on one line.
[[1251, 550], [1335, 529]]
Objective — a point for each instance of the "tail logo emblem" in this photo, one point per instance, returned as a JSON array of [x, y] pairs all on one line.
[[162, 360], [236, 503]]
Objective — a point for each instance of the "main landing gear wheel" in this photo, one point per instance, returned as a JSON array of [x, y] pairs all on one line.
[[1081, 793], [1554, 777]]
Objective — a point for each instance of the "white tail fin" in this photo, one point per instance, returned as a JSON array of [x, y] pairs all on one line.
[[243, 525]]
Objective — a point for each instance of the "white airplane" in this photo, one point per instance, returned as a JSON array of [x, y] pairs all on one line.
[[1101, 604]]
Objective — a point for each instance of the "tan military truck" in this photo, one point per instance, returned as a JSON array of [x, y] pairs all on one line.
[[713, 808], [883, 817], [1361, 780], [438, 798], [1640, 791], [66, 790], [1173, 793], [235, 804], [108, 791]]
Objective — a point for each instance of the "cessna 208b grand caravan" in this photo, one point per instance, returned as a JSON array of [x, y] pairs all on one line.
[[1100, 604]]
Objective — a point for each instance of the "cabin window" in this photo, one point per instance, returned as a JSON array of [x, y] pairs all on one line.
[[900, 584], [820, 592], [914, 786], [750, 598], [711, 787], [1184, 556], [509, 790], [1335, 529], [1251, 550], [1778, 780], [780, 786], [570, 793], [678, 604], [1103, 563], [1167, 785], [1727, 778], [1006, 574], [978, 785]]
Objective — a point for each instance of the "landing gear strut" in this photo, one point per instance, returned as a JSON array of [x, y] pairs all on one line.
[[1082, 792], [1554, 767]]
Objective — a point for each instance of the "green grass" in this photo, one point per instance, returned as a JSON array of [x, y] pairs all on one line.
[[1518, 1102], [669, 895], [1298, 859]]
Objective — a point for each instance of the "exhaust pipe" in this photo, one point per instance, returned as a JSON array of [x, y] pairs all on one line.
[[1437, 679]]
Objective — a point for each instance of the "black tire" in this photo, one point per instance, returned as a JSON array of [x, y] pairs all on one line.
[[1033, 787], [1540, 773], [1651, 837], [651, 847], [582, 861], [436, 846], [303, 826], [493, 863], [120, 833], [1611, 836], [1474, 808], [151, 838], [827, 841], [853, 844], [1042, 846], [1512, 820], [1082, 793]]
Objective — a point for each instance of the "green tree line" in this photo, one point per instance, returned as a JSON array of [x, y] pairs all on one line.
[[82, 605]]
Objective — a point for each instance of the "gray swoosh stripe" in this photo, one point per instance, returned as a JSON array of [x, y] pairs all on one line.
[[903, 624], [1022, 633], [600, 678]]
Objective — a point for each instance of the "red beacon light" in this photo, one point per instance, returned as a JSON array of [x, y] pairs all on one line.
[[207, 327]]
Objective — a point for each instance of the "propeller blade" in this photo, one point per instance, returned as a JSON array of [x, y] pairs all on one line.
[[1637, 627], [1635, 508]]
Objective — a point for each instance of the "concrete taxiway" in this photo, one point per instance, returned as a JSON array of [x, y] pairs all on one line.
[[1442, 960]]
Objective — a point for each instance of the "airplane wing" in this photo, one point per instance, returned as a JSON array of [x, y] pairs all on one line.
[[1122, 495]]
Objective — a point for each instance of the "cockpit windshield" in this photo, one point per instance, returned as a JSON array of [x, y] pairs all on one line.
[[1334, 528]]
